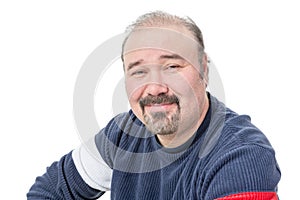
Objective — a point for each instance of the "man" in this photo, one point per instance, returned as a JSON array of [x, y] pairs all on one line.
[[177, 141]]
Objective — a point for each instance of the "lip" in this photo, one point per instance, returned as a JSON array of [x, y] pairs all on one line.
[[159, 107]]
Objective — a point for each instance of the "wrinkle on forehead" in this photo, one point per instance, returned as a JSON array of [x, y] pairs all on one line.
[[165, 39]]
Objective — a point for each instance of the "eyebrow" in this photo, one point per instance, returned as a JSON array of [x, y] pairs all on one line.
[[131, 65], [166, 56], [171, 56]]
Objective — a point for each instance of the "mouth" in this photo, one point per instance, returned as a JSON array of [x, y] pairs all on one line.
[[161, 103], [160, 107]]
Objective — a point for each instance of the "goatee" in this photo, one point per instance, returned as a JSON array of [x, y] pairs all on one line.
[[164, 122]]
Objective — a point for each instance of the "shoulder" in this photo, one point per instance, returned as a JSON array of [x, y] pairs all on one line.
[[228, 130], [238, 138], [239, 131], [242, 158]]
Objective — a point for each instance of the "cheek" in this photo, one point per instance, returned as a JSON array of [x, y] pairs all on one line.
[[134, 92], [182, 84], [190, 89]]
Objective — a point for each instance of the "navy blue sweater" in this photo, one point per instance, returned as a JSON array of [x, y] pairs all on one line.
[[227, 157]]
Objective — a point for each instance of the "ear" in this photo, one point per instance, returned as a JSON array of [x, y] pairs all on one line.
[[204, 68]]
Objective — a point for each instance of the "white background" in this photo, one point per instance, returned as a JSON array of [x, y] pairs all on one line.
[[254, 44]]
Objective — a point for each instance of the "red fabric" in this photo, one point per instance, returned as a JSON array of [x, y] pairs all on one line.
[[251, 196]]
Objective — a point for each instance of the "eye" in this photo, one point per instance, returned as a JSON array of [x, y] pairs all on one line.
[[173, 67], [138, 73]]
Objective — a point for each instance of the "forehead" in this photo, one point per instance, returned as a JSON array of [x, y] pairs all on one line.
[[176, 42]]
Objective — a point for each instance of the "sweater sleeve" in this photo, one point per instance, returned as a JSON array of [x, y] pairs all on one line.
[[62, 181], [249, 170]]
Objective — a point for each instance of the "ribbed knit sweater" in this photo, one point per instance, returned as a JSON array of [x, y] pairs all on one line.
[[227, 158]]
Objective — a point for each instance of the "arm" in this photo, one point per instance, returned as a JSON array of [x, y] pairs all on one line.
[[78, 175], [247, 172]]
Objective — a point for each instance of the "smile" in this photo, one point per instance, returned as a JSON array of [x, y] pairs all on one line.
[[159, 107]]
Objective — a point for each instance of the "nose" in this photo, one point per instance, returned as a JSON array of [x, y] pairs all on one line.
[[156, 86], [155, 89]]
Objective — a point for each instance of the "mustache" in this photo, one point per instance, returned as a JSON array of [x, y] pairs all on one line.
[[160, 99]]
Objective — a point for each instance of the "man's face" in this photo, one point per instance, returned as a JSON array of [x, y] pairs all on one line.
[[164, 86]]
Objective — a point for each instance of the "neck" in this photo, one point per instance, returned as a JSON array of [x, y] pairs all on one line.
[[181, 136]]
